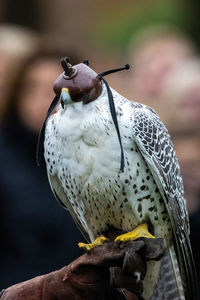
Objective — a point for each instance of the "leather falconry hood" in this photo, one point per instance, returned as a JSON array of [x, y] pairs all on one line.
[[83, 83]]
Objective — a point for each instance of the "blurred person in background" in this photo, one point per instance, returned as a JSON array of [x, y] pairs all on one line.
[[16, 44], [37, 235], [181, 98], [154, 53]]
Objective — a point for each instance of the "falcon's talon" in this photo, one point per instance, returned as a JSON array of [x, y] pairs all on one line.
[[138, 232], [120, 244], [137, 276], [100, 240]]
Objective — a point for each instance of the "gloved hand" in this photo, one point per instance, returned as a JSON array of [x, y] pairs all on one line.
[[110, 271]]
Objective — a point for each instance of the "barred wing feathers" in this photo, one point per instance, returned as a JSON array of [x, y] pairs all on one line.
[[156, 147]]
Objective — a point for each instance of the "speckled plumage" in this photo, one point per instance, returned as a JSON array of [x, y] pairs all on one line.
[[83, 157]]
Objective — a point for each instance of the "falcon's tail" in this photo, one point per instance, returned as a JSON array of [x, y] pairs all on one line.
[[169, 284]]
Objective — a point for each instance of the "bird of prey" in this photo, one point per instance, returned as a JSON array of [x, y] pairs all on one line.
[[94, 130]]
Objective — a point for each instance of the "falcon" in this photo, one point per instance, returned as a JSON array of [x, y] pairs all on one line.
[[111, 163]]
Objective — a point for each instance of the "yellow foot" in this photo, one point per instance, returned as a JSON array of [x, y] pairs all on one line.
[[100, 240], [138, 232]]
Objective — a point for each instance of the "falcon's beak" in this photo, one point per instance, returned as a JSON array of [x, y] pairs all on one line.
[[65, 97]]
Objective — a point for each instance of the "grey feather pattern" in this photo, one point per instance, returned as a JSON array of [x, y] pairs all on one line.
[[169, 285], [156, 147]]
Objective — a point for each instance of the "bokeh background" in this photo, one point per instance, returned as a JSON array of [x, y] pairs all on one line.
[[161, 41]]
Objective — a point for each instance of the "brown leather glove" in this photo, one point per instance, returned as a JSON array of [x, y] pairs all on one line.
[[106, 272]]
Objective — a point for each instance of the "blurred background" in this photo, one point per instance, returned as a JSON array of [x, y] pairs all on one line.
[[161, 41]]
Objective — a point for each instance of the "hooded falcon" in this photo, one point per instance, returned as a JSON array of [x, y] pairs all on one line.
[[111, 163]]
